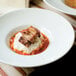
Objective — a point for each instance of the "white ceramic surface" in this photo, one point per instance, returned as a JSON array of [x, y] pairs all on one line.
[[55, 27], [61, 6]]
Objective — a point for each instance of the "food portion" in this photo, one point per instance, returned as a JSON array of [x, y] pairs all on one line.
[[71, 3], [29, 41]]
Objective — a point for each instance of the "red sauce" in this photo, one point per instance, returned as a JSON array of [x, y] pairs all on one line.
[[36, 51]]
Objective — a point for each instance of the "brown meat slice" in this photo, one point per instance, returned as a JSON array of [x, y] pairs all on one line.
[[33, 30], [24, 42], [29, 36]]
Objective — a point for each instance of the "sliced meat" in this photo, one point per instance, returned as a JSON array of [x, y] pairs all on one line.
[[24, 42], [29, 36], [34, 31]]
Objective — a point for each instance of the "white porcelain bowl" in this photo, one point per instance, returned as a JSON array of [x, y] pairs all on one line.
[[61, 6], [55, 27]]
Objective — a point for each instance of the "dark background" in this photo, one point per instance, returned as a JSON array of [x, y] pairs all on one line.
[[63, 66]]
